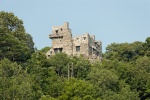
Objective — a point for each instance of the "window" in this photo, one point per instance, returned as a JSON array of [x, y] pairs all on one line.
[[97, 53], [56, 31], [94, 51], [61, 29], [77, 48], [60, 49], [56, 50], [84, 38]]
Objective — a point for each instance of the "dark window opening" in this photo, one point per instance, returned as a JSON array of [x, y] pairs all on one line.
[[77, 48], [60, 49], [56, 31], [84, 38], [97, 53], [56, 50], [48, 55], [61, 29], [94, 51], [77, 38]]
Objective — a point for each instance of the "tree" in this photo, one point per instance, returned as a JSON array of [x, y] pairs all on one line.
[[45, 49], [124, 94], [14, 82], [15, 43], [47, 82], [147, 46], [104, 78], [147, 41], [60, 63], [124, 51], [141, 76], [77, 90], [81, 67], [36, 67]]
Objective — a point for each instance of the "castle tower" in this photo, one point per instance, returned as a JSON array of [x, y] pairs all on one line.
[[85, 45], [80, 45], [61, 40]]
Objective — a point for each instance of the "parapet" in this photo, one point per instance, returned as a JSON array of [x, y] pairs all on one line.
[[65, 26], [93, 37], [60, 29]]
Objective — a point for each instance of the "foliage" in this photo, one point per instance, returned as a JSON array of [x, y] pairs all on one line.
[[15, 43], [77, 89], [125, 51], [15, 82], [45, 50]]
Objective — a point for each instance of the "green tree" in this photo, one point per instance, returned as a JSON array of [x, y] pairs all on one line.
[[60, 63], [47, 97], [47, 81], [147, 41], [45, 49], [147, 46], [77, 90], [124, 94], [104, 79], [15, 43], [81, 67], [35, 67], [14, 82], [141, 76], [124, 51]]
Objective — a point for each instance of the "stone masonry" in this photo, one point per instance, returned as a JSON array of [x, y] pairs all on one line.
[[85, 45]]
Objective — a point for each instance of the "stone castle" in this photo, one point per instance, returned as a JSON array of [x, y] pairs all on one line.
[[85, 45]]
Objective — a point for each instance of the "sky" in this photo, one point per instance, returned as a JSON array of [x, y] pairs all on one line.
[[110, 21]]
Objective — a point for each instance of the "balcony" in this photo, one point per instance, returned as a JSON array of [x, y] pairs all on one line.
[[51, 36]]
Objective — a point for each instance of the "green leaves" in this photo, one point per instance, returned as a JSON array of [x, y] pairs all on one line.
[[15, 44], [80, 89], [14, 82], [124, 51]]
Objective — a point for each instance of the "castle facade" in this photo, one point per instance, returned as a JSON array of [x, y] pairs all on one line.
[[85, 45]]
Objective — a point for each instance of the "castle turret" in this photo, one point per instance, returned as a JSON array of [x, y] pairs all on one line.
[[61, 39], [85, 45]]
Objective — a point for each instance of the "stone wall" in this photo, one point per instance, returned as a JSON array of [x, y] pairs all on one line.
[[85, 45]]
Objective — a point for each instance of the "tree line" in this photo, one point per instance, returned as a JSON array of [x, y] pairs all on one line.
[[26, 73]]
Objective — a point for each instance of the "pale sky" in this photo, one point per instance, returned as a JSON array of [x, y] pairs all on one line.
[[109, 20]]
